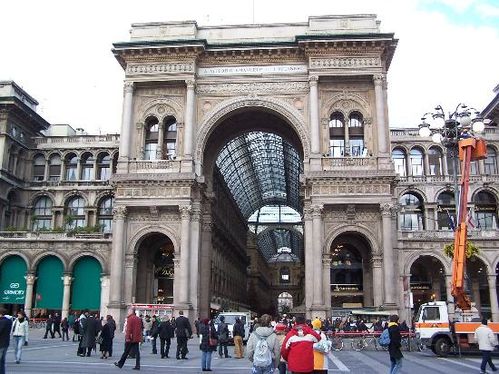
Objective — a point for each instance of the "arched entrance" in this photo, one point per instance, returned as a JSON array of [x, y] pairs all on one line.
[[477, 285], [13, 283], [351, 273], [427, 280], [48, 286], [86, 284], [155, 270], [251, 162]]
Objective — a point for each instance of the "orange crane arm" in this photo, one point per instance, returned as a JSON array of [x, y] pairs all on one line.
[[469, 149]]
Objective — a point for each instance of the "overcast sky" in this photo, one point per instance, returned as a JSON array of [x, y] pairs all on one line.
[[60, 51]]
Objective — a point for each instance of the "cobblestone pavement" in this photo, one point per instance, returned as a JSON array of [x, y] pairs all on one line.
[[56, 356]]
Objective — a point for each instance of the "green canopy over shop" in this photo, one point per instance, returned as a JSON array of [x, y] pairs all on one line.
[[86, 285], [12, 281], [49, 285]]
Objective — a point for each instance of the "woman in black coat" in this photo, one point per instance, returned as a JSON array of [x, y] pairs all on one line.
[[107, 335], [395, 344], [165, 332], [206, 331]]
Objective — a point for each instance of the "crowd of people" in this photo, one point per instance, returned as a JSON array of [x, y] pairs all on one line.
[[286, 345]]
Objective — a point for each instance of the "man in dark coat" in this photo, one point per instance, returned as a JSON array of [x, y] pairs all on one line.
[[90, 329], [183, 331], [166, 332], [223, 338], [57, 325], [133, 336], [395, 344], [5, 327], [49, 324]]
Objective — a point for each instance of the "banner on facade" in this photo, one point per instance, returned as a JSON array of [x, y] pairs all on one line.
[[12, 293]]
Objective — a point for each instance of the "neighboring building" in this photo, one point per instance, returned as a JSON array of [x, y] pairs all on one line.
[[253, 171]]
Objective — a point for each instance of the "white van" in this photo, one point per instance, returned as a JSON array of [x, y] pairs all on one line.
[[230, 319]]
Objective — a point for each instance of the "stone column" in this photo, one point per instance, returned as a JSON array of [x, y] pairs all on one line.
[[78, 168], [161, 136], [28, 297], [176, 276], [317, 257], [381, 125], [314, 115], [194, 257], [95, 175], [388, 260], [475, 293], [494, 308], [185, 223], [46, 170], [126, 124], [116, 302], [450, 298], [190, 104], [66, 294], [207, 280], [104, 294], [377, 263], [326, 272], [309, 253]]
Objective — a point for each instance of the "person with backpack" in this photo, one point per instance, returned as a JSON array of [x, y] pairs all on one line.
[[223, 338], [394, 344], [297, 348], [263, 347]]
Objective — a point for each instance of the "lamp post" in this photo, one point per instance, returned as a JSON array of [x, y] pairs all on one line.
[[464, 122]]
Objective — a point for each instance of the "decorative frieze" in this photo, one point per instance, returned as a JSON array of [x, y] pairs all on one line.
[[350, 189], [346, 62], [160, 68], [249, 88], [153, 192]]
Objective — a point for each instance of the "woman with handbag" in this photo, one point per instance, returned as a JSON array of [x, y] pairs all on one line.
[[208, 343]]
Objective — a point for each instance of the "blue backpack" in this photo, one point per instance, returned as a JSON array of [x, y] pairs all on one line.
[[384, 339]]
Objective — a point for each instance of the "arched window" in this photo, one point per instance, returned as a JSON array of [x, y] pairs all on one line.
[[337, 135], [411, 213], [485, 210], [398, 158], [356, 134], [42, 214], [446, 214], [435, 161], [87, 167], [71, 167], [491, 161], [75, 213], [55, 167], [105, 218], [170, 137], [39, 168], [416, 158], [103, 167], [151, 141], [285, 275]]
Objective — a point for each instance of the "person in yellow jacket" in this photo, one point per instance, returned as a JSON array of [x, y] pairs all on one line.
[[321, 349]]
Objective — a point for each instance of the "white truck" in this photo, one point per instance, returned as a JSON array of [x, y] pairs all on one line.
[[443, 336], [230, 319]]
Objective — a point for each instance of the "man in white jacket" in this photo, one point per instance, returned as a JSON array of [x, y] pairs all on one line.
[[487, 341]]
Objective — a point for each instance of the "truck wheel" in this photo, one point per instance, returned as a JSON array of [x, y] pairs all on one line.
[[442, 347]]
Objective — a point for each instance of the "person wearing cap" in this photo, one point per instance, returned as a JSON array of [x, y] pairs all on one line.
[[280, 331], [321, 349]]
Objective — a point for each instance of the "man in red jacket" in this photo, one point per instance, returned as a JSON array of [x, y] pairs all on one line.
[[297, 348], [133, 336]]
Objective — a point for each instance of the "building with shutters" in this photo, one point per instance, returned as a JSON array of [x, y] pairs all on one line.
[[255, 169]]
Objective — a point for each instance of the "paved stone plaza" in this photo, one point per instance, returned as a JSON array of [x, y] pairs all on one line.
[[55, 356]]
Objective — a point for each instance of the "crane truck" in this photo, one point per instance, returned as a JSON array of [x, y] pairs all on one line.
[[432, 322]]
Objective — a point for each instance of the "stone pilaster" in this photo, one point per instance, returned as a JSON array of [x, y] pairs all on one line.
[[326, 276], [116, 302], [190, 109], [377, 264], [381, 124], [161, 139], [183, 291], [494, 308], [66, 295], [126, 124], [450, 298], [309, 253], [28, 299], [205, 281], [194, 257], [388, 259]]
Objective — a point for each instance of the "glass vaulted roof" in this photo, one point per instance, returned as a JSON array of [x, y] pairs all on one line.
[[261, 169]]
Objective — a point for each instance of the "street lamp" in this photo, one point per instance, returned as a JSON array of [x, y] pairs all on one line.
[[464, 122]]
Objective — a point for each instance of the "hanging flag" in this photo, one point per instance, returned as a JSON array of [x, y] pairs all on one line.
[[450, 220]]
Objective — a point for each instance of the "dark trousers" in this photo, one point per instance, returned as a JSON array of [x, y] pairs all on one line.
[[225, 351], [282, 367], [129, 347], [47, 331], [487, 359], [3, 353], [154, 347], [57, 330], [181, 346], [65, 334], [165, 346]]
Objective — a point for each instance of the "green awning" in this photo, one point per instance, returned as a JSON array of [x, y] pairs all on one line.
[[12, 281], [86, 285], [49, 284]]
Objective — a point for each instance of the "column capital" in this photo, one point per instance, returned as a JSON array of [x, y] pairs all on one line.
[[326, 260], [30, 278], [67, 279], [316, 210], [379, 79], [387, 209], [139, 125], [128, 87], [313, 80], [119, 212], [191, 84], [185, 211], [492, 277], [377, 261]]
